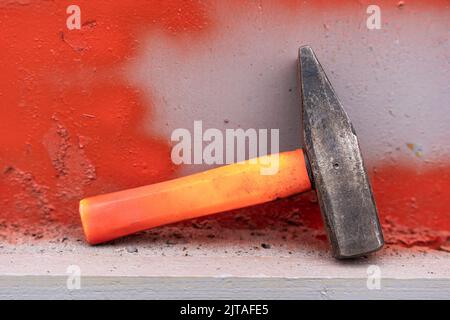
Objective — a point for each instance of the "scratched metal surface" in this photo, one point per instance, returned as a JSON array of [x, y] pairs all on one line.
[[343, 188]]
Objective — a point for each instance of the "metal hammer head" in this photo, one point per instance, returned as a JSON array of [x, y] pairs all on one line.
[[336, 165]]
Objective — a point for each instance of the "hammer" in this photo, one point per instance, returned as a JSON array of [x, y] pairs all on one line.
[[331, 164]]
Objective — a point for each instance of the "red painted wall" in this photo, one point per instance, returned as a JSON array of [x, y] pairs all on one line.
[[71, 125]]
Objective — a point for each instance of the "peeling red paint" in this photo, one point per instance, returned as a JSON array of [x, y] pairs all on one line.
[[71, 124], [414, 205]]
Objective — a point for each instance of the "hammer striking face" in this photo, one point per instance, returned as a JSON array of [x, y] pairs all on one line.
[[332, 164]]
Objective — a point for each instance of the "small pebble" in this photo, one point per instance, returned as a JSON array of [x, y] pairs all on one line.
[[132, 249]]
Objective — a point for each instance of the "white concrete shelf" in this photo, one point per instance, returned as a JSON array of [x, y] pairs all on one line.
[[233, 265]]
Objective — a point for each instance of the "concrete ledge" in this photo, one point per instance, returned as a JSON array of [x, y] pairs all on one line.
[[234, 265], [54, 287]]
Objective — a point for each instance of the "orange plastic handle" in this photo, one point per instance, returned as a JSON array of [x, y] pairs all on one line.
[[237, 185]]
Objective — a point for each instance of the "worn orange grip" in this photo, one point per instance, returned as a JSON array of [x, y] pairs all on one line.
[[238, 185]]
